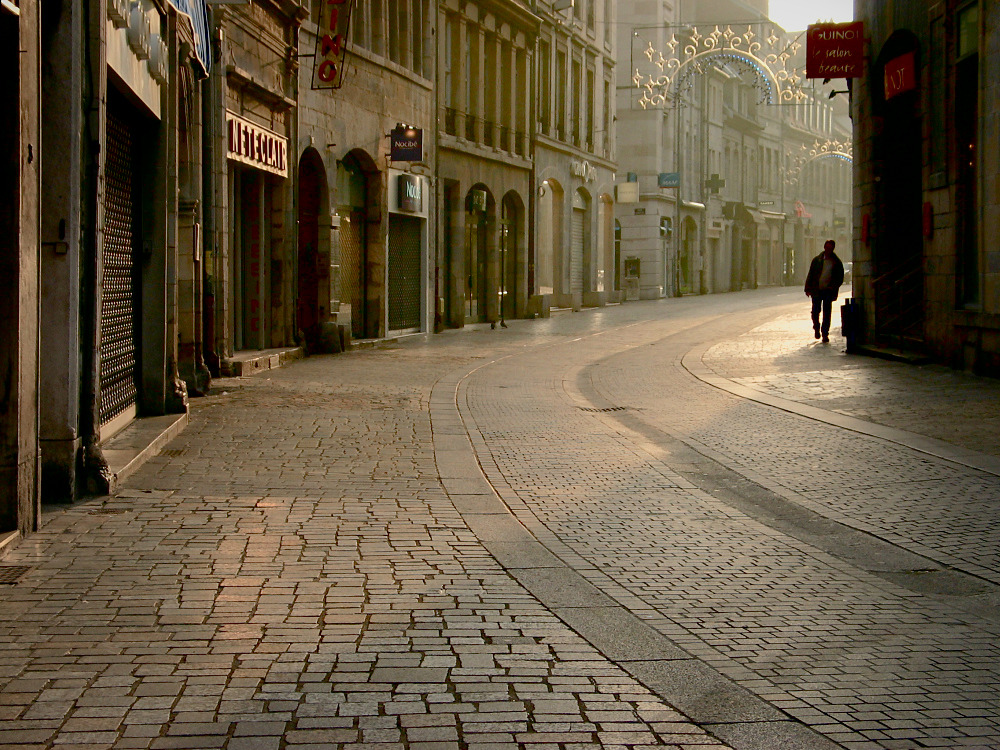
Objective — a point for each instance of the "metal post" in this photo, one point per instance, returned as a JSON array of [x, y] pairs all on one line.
[[677, 199]]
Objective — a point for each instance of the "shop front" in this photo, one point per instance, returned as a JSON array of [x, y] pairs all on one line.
[[130, 310], [258, 174]]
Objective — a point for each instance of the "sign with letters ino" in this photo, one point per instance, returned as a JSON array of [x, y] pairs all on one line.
[[331, 43], [835, 50]]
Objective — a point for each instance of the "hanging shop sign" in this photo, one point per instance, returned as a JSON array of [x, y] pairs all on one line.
[[406, 143], [835, 50], [668, 180], [257, 147], [900, 75], [331, 43], [478, 200]]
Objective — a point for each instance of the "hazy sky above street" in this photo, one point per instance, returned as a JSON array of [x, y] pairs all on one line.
[[796, 15]]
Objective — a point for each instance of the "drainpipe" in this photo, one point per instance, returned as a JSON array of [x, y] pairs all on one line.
[[532, 270], [210, 249], [94, 472]]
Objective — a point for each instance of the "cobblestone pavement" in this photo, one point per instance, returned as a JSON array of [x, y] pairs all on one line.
[[850, 646], [318, 560]]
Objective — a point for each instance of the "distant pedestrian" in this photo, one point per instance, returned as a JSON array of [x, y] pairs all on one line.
[[826, 274]]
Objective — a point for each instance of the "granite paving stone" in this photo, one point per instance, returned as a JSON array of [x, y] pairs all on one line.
[[558, 535]]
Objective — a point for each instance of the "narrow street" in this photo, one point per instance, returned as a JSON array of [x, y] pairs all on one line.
[[676, 523]]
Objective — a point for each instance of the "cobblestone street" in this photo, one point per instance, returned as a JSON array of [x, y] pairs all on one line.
[[680, 523]]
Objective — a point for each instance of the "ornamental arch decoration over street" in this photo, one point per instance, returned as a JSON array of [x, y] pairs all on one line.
[[765, 62]]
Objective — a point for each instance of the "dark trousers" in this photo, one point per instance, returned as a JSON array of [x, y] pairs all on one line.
[[822, 300]]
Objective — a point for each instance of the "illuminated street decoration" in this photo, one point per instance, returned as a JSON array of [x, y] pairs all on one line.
[[806, 155], [764, 62]]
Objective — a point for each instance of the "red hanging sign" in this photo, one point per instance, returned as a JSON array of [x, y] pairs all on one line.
[[331, 43], [900, 75], [835, 50]]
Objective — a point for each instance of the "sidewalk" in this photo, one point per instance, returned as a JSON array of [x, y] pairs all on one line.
[[934, 409]]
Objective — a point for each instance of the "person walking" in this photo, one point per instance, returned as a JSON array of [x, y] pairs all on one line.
[[826, 274]]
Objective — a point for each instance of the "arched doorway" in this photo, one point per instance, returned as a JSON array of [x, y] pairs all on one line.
[[480, 219], [897, 247], [362, 258], [311, 308], [512, 260]]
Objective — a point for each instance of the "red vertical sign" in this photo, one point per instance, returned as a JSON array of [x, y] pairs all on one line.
[[331, 43]]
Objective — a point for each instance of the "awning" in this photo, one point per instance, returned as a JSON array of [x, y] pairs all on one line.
[[752, 214], [197, 13], [773, 215]]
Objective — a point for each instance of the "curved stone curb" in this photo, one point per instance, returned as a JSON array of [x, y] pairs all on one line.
[[693, 362], [592, 604]]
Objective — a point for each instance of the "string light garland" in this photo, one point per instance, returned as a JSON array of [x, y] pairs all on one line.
[[829, 149]]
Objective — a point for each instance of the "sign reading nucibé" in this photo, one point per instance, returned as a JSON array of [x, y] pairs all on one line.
[[406, 144]]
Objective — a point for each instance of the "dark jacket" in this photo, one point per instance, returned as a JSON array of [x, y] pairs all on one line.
[[836, 276]]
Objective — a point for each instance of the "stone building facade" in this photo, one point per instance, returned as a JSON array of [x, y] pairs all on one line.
[[248, 284], [927, 274], [120, 190], [364, 254], [734, 171], [484, 168], [190, 194], [574, 156]]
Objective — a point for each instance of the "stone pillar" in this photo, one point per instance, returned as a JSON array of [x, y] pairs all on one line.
[[61, 224], [20, 162]]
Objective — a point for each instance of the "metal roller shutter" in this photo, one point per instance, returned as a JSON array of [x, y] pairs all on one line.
[[576, 251], [404, 272], [120, 288]]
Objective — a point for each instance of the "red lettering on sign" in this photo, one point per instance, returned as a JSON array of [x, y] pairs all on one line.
[[331, 44], [327, 71]]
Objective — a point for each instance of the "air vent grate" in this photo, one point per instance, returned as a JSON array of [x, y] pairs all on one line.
[[11, 574]]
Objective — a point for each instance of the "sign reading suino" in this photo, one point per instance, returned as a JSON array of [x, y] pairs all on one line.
[[835, 50], [331, 43]]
